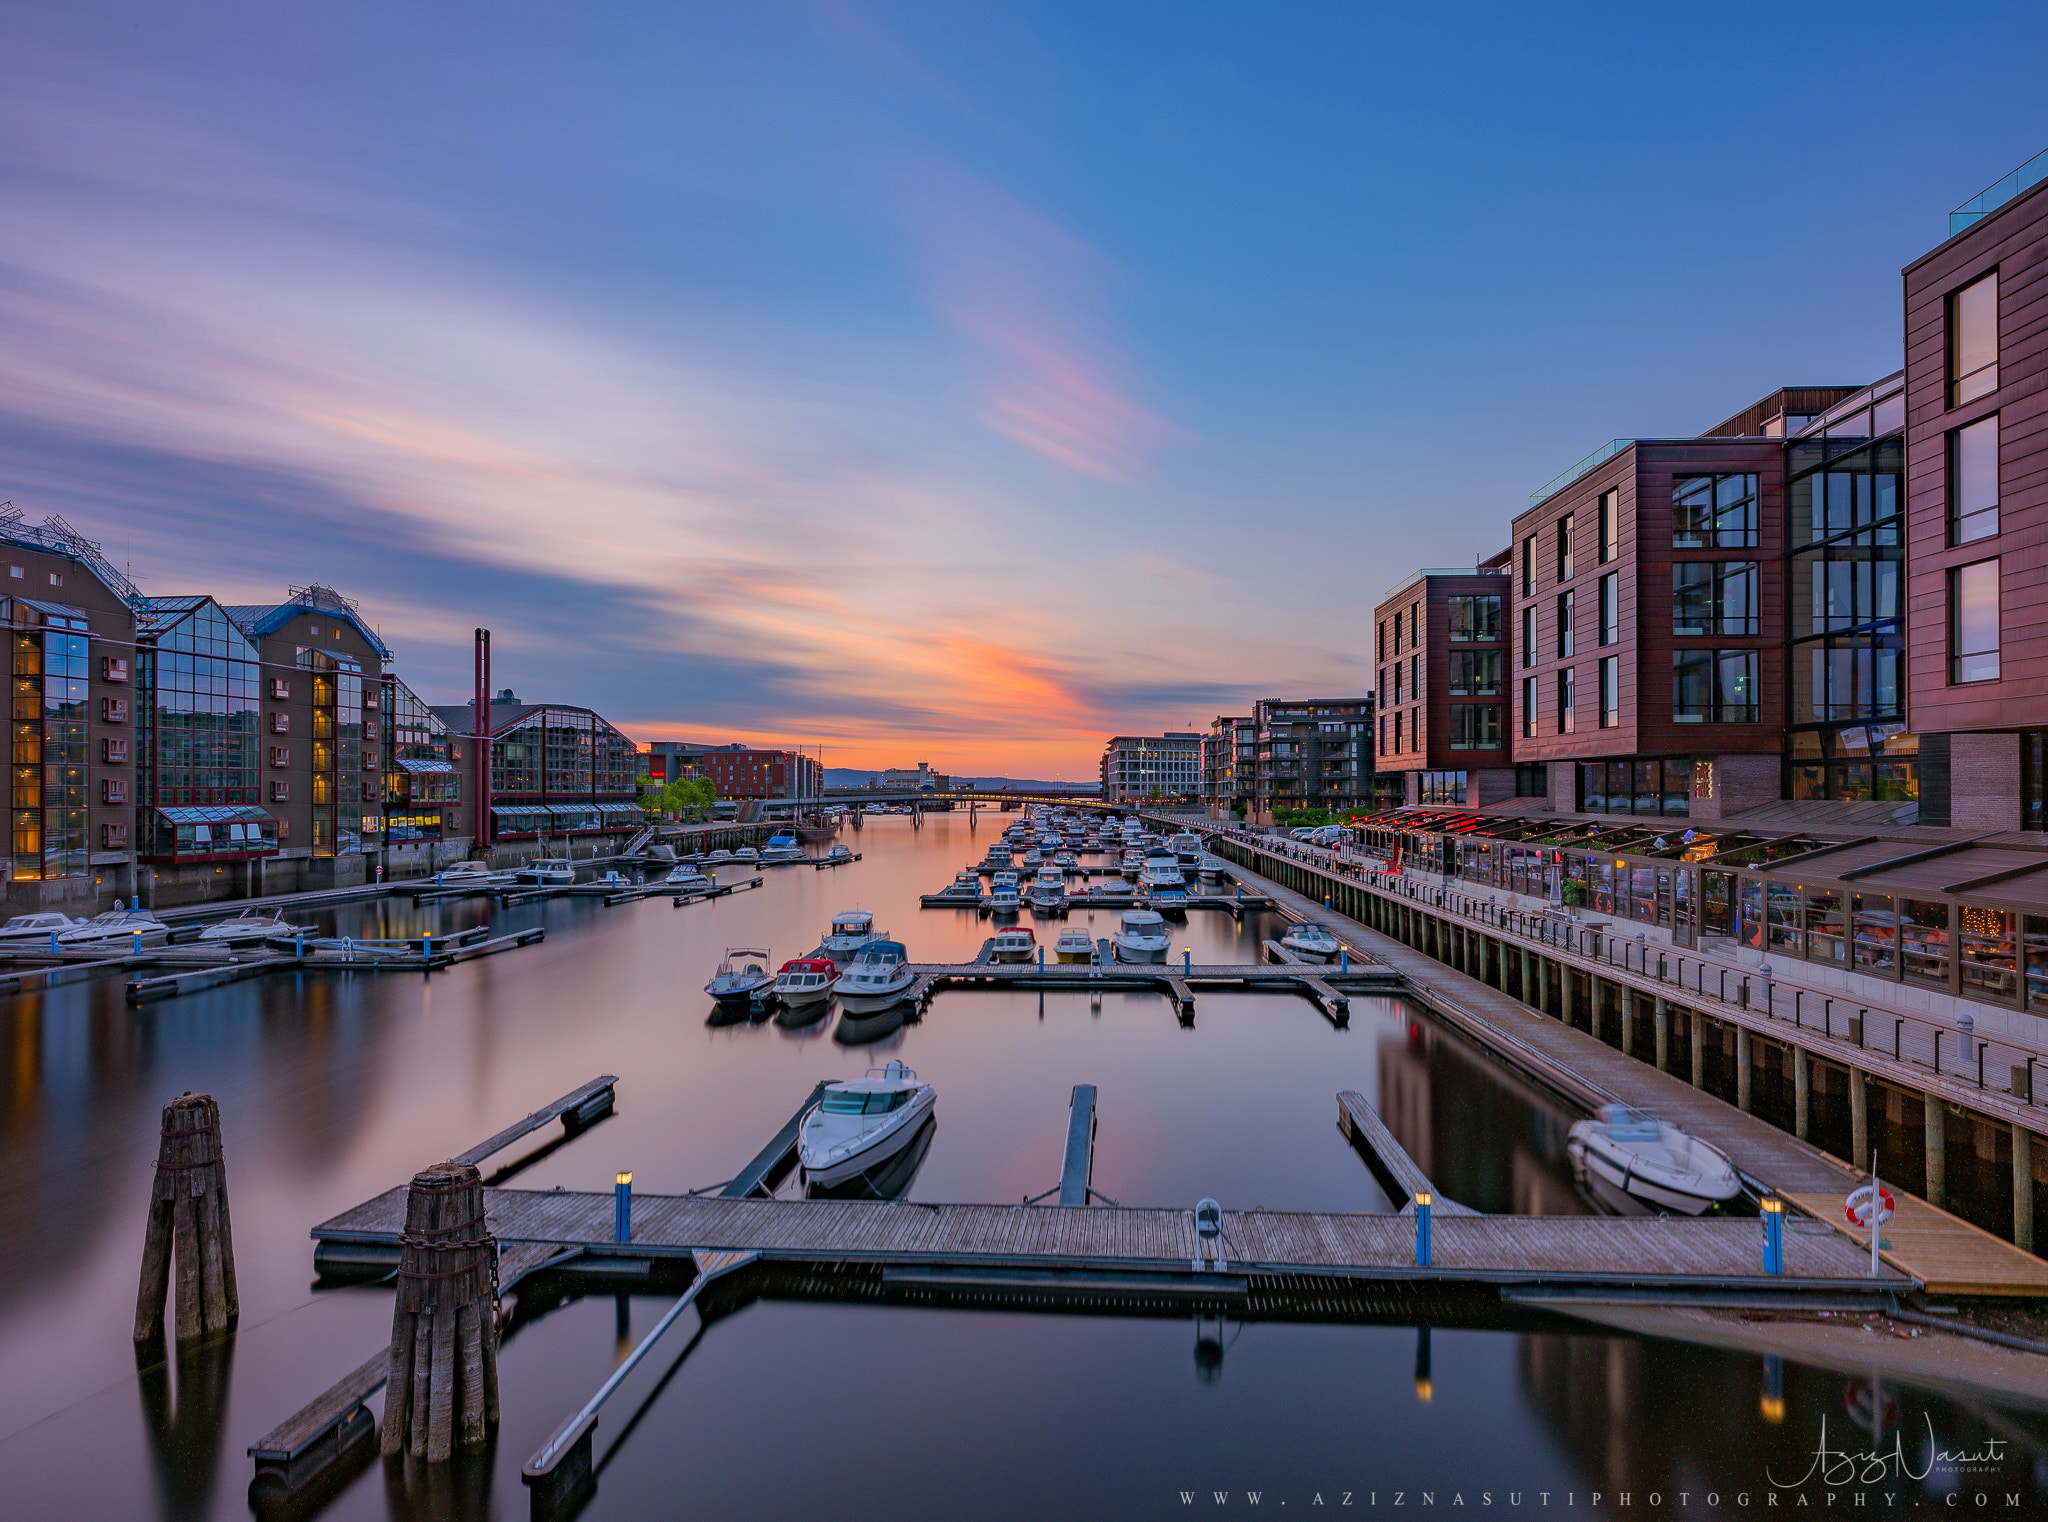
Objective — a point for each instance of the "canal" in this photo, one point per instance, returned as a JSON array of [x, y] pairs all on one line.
[[334, 1088]]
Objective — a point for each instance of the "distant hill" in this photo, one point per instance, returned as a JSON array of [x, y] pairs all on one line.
[[847, 776]]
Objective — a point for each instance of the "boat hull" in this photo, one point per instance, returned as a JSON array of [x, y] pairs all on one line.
[[1137, 954], [1607, 1174], [875, 1149]]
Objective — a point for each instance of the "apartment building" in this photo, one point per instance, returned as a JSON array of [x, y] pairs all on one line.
[[557, 769], [1137, 767], [741, 771], [1441, 650], [1311, 753], [1976, 403], [1229, 755]]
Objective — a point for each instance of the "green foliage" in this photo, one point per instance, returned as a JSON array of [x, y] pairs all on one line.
[[1302, 818], [682, 797], [1577, 890]]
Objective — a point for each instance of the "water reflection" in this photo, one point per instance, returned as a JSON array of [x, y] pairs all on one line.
[[874, 1028], [184, 1406], [890, 1180]]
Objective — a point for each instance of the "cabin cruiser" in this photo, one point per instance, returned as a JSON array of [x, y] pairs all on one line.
[[1064, 859], [806, 980], [879, 976], [1631, 1161], [37, 927], [742, 974], [1210, 868], [249, 928], [1169, 898], [747, 854], [1074, 946], [1048, 890], [457, 873], [547, 869], [685, 878], [850, 930], [1141, 937], [721, 854], [1131, 863], [1014, 944], [1004, 897], [1160, 870], [1187, 845], [781, 848], [1305, 938], [876, 808], [116, 927], [859, 1123], [966, 886], [998, 856], [839, 853], [1032, 858]]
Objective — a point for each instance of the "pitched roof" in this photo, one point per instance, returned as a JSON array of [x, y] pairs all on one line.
[[259, 619]]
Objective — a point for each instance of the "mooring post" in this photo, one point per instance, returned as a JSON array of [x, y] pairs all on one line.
[[622, 1207], [188, 1208], [1422, 1244], [443, 1387], [1774, 1234]]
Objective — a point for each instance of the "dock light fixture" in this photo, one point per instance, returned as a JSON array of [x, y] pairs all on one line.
[[1422, 1244], [1774, 1234], [1187, 959], [622, 1207]]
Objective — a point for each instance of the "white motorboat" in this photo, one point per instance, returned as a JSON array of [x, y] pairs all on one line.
[[1633, 1162], [117, 927], [879, 976], [966, 886], [1074, 946], [850, 930], [1141, 937], [1187, 845], [806, 980], [37, 927], [1131, 863], [459, 874], [1161, 869], [1065, 859], [1210, 868], [742, 975], [1168, 899], [547, 869], [747, 854], [1032, 859], [1016, 943], [1305, 938], [721, 854], [858, 1124], [839, 853], [250, 928], [1048, 891], [1004, 896], [781, 849], [685, 878]]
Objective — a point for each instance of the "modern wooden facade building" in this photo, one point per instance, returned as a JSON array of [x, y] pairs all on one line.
[[1441, 646]]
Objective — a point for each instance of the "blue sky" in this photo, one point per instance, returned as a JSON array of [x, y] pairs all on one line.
[[944, 382]]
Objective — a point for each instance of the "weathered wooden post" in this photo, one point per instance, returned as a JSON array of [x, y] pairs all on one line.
[[443, 1387], [188, 1212]]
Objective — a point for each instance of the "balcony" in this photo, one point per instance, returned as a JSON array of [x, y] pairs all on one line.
[[1980, 206]]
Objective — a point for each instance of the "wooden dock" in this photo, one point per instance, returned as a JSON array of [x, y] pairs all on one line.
[[215, 971], [1398, 1173], [1682, 1255], [1229, 903], [1177, 979]]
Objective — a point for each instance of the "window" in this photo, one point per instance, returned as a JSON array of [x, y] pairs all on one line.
[[1398, 746], [280, 723], [114, 837], [1714, 686], [280, 687], [1475, 726], [1973, 622], [1636, 787], [1564, 701], [1610, 692], [1714, 597], [280, 792], [1475, 673], [113, 790], [1713, 513], [1973, 340], [16, 572], [280, 755], [113, 668], [114, 710], [1474, 618], [1529, 685], [56, 578], [1564, 548], [1924, 940], [1610, 608], [1610, 525], [114, 752], [1415, 678], [1973, 482], [1397, 682], [1444, 789], [1397, 631], [1564, 624], [1381, 647], [1529, 566], [1530, 654]]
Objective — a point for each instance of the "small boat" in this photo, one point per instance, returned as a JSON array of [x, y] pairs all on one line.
[[875, 808], [966, 886], [839, 853], [37, 927], [742, 975], [685, 878], [1210, 869], [892, 1178], [1161, 870], [747, 854], [849, 931], [1065, 859], [721, 854], [116, 927], [781, 849], [1004, 896], [1169, 900], [457, 874], [1131, 863], [1014, 944], [1048, 892], [1032, 858], [547, 869], [805, 980], [1141, 937], [1187, 845], [1074, 946], [250, 928], [1635, 1163], [1305, 938], [879, 976], [860, 1123]]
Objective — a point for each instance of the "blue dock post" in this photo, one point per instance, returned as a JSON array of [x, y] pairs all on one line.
[[1774, 1235], [138, 943], [299, 945], [1187, 960], [55, 949], [1041, 958], [1343, 959], [1422, 1204], [622, 1208]]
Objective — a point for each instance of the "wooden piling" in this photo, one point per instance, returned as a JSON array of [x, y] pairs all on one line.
[[443, 1384], [188, 1229]]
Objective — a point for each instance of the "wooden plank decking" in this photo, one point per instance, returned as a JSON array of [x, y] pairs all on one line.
[[1949, 1256], [1362, 1126], [1483, 1249]]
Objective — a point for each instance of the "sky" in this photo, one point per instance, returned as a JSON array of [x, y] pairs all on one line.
[[948, 382]]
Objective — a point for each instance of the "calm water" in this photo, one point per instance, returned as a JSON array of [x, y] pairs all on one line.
[[336, 1088]]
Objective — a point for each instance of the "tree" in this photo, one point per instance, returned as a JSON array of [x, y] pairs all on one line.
[[697, 794]]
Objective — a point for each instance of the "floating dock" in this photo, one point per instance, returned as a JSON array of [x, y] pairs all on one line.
[[1177, 979]]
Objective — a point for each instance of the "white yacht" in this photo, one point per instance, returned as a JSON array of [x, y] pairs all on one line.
[[1210, 868], [37, 927], [1131, 863], [879, 976], [717, 856], [1013, 944], [782, 847], [686, 878], [1141, 937], [1032, 858], [1160, 870], [250, 928], [1305, 938], [116, 928], [859, 1123], [1004, 896], [850, 930], [806, 980], [1048, 892], [1631, 1161], [1187, 845], [554, 870]]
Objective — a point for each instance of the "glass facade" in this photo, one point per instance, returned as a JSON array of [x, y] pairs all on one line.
[[1714, 686], [419, 761], [568, 758], [1661, 787], [198, 739], [1714, 512], [51, 678]]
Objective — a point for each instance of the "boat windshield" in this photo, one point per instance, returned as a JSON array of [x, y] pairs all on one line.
[[1626, 1124], [854, 1102]]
